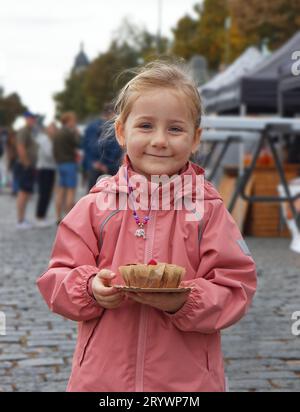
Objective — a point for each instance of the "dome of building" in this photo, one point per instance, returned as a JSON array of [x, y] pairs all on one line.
[[81, 61]]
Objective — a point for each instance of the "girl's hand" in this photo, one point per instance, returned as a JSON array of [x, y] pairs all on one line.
[[168, 302], [104, 293]]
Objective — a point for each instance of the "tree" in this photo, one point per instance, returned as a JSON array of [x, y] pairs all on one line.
[[207, 35], [146, 45], [185, 34], [252, 22], [73, 96], [87, 92], [11, 107], [275, 20], [101, 80]]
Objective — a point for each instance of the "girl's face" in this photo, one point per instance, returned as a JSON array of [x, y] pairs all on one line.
[[159, 133]]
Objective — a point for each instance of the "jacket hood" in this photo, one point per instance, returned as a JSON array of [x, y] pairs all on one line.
[[119, 182]]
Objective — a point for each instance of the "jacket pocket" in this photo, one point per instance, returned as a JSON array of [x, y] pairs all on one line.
[[208, 355], [85, 335], [208, 365], [214, 352]]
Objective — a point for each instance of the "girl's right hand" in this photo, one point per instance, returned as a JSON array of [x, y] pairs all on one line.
[[105, 294]]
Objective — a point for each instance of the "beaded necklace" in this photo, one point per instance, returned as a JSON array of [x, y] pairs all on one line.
[[140, 232]]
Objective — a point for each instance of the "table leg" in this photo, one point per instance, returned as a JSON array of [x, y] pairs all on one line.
[[209, 155], [284, 182], [220, 158], [244, 178]]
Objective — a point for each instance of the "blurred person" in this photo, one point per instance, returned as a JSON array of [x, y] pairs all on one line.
[[103, 154], [292, 147], [46, 168], [110, 152], [91, 155], [3, 139], [27, 158], [65, 147], [12, 160]]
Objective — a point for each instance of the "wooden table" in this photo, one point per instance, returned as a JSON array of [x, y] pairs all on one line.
[[266, 130]]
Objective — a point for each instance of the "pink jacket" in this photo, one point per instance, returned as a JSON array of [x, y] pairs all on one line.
[[137, 348]]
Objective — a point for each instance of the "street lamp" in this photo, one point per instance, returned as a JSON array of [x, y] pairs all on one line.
[[159, 26], [227, 26]]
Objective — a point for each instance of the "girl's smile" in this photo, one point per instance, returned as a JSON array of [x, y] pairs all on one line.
[[148, 154]]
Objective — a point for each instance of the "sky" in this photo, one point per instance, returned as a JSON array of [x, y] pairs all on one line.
[[39, 39]]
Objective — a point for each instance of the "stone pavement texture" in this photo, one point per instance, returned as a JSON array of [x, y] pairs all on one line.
[[261, 353]]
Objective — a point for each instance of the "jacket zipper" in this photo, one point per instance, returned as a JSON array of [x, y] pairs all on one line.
[[144, 314], [114, 212]]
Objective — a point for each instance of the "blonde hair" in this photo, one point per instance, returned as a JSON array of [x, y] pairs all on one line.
[[159, 74]]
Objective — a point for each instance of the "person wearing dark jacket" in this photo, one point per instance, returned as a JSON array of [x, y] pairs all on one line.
[[26, 167], [109, 151], [65, 149], [91, 151], [102, 153]]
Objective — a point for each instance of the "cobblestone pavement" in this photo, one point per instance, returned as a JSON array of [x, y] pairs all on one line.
[[261, 353]]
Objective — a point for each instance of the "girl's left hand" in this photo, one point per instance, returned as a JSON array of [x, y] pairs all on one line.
[[168, 302]]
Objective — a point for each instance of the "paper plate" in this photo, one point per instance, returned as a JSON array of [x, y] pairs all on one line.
[[148, 290]]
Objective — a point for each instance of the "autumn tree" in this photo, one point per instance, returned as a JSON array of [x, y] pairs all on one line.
[[252, 22], [185, 35], [274, 20], [204, 34]]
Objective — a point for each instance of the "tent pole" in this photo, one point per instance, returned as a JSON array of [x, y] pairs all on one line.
[[243, 110], [280, 103]]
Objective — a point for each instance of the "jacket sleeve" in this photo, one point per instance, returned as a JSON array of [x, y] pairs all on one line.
[[65, 285], [225, 282]]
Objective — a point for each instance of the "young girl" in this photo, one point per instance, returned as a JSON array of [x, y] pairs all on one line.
[[150, 341]]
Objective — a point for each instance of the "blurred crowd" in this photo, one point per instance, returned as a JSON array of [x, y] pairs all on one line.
[[53, 160]]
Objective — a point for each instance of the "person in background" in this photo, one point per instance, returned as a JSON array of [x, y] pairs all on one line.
[[110, 152], [27, 158], [3, 142], [65, 147], [12, 160], [46, 168], [3, 137], [91, 151]]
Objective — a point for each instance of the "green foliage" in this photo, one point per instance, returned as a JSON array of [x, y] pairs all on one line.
[[204, 34], [73, 96], [207, 34], [11, 107], [252, 22], [275, 20], [100, 85], [87, 92], [185, 35]]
